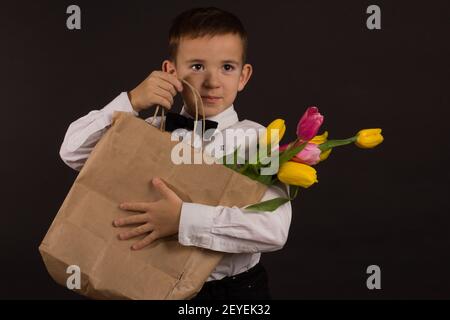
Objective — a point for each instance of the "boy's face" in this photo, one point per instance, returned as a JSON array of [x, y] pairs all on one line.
[[213, 66]]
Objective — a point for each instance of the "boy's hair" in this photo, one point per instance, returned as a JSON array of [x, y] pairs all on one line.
[[199, 22]]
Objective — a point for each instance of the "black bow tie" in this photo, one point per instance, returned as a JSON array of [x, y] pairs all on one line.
[[175, 121]]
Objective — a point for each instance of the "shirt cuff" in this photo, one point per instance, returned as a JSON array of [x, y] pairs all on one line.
[[196, 222]]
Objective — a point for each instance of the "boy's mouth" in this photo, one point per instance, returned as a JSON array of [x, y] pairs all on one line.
[[211, 99]]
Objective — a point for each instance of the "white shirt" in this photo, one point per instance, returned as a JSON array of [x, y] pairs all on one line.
[[241, 235]]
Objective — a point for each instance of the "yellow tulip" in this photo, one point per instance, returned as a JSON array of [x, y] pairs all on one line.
[[297, 174], [324, 155], [369, 138], [277, 124], [320, 139]]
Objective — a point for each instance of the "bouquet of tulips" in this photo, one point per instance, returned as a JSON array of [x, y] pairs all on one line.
[[295, 159]]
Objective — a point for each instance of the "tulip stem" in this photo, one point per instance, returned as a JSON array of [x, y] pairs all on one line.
[[336, 143], [292, 197]]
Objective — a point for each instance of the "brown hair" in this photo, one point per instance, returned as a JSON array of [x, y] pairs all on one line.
[[199, 22]]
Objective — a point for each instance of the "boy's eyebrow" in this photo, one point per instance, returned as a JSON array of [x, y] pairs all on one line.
[[231, 62], [195, 60], [203, 61]]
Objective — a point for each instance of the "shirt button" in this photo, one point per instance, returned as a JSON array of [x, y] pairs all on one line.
[[249, 285], [234, 278]]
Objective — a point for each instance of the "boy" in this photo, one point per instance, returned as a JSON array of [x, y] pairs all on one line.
[[208, 49]]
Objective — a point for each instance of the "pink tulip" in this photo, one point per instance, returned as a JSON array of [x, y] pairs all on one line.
[[309, 124], [310, 155]]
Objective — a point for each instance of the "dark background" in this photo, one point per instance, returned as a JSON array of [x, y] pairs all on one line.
[[388, 206]]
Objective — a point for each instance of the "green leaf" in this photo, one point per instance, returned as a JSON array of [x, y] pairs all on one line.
[[267, 161], [267, 180], [234, 166], [273, 204], [250, 170], [269, 205], [336, 143], [288, 154], [244, 168], [251, 173]]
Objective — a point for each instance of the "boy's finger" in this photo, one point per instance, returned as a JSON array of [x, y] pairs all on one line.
[[167, 86], [135, 206], [163, 101], [164, 94], [135, 232], [138, 218], [146, 241], [171, 79], [162, 188]]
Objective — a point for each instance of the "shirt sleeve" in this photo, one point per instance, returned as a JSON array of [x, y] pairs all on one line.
[[84, 133], [232, 230]]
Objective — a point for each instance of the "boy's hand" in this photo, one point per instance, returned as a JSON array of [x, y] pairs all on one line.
[[158, 88], [159, 219]]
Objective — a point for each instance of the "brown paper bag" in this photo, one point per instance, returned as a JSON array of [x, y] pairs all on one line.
[[120, 169]]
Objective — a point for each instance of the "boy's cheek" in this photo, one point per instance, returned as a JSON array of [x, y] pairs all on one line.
[[194, 80], [185, 73]]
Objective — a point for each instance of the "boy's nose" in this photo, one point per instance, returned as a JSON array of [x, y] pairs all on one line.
[[211, 80]]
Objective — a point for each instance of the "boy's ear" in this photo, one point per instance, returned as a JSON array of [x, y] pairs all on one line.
[[169, 66], [246, 73]]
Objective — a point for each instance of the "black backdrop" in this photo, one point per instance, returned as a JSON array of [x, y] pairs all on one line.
[[388, 206]]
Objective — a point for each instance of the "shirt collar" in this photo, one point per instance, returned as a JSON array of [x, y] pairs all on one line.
[[225, 119]]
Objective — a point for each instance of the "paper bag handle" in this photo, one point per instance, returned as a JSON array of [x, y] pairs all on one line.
[[196, 96]]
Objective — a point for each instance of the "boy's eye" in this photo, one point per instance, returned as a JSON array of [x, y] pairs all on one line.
[[228, 67], [197, 67]]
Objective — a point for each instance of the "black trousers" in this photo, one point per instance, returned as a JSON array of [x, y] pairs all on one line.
[[251, 284]]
